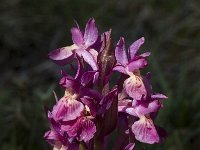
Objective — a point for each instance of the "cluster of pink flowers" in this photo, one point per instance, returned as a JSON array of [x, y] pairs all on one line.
[[95, 101]]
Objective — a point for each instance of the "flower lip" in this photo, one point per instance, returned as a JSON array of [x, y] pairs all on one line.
[[145, 131]]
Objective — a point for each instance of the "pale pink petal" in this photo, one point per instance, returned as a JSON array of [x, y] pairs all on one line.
[[134, 87], [94, 53], [61, 55], [137, 64], [145, 131], [158, 96], [146, 54], [73, 110]]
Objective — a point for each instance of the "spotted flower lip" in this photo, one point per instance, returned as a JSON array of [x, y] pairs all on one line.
[[145, 131], [67, 108], [82, 46]]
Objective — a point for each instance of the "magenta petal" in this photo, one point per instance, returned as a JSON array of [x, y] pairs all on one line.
[[145, 131], [77, 36], [87, 77], [88, 130], [67, 125], [133, 49], [73, 110], [61, 55], [91, 33], [120, 52], [134, 87], [88, 57], [137, 64], [69, 83], [130, 146]]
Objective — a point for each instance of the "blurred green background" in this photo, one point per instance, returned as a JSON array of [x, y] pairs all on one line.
[[29, 29]]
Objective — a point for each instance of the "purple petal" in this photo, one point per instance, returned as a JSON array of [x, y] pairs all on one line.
[[91, 93], [88, 130], [91, 103], [142, 108], [120, 52], [133, 49], [107, 100], [130, 146], [73, 129], [51, 137], [91, 33], [67, 125], [62, 55], [87, 77], [80, 67], [88, 57], [120, 68], [77, 36], [145, 131], [134, 87]]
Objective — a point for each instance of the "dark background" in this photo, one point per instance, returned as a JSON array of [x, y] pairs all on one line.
[[29, 29]]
